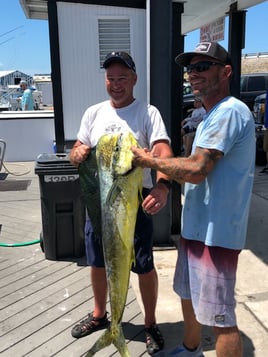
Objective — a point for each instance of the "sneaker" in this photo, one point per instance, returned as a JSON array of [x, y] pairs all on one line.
[[154, 339], [89, 325], [181, 351]]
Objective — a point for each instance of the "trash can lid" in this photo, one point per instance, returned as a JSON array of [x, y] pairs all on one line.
[[55, 159]]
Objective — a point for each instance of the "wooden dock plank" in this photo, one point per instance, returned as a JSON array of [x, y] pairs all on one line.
[[40, 299], [30, 284], [38, 332], [31, 305]]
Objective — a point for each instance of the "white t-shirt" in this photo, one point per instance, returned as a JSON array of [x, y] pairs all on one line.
[[143, 120]]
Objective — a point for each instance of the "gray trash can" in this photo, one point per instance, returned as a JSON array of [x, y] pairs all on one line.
[[62, 208]]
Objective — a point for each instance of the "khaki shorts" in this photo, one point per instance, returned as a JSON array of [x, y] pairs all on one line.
[[265, 141]]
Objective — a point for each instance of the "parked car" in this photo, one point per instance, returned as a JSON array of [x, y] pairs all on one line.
[[252, 85]]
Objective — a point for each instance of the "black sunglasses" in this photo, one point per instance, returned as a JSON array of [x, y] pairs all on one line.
[[202, 66], [124, 56]]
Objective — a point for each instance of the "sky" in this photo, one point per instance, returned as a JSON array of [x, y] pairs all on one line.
[[24, 43]]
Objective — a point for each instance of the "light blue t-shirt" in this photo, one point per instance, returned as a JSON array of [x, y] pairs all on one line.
[[27, 100], [216, 210]]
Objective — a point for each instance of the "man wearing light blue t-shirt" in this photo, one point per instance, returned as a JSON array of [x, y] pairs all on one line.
[[27, 97], [218, 177]]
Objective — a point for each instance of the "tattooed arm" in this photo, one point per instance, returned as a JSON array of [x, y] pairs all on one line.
[[192, 169]]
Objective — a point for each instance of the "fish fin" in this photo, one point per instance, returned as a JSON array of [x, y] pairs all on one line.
[[113, 193], [140, 195], [115, 336], [133, 258], [104, 341], [90, 190]]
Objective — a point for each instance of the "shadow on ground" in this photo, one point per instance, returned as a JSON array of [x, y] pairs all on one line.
[[173, 334]]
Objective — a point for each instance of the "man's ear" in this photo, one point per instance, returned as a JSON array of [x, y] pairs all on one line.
[[228, 70]]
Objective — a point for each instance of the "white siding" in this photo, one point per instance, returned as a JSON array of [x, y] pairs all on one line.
[[27, 135], [46, 89], [82, 77]]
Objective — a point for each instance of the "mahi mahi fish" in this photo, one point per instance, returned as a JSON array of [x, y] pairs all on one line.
[[112, 190]]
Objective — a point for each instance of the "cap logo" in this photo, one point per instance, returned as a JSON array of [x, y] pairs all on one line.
[[203, 47]]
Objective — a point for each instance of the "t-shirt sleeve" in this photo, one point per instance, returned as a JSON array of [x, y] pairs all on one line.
[[83, 133], [220, 130], [156, 128]]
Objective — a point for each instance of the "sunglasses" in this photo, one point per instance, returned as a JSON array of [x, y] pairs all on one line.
[[202, 66], [124, 56]]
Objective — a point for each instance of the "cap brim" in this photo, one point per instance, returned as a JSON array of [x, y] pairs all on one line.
[[185, 58], [114, 60]]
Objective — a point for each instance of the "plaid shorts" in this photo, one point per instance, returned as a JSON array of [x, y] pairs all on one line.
[[207, 276]]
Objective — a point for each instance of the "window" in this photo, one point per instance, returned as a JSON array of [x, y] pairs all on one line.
[[114, 35], [256, 83]]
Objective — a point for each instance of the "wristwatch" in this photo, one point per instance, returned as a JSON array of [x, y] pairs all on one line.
[[165, 182]]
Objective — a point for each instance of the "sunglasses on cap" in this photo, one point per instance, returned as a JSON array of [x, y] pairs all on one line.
[[202, 66], [121, 56]]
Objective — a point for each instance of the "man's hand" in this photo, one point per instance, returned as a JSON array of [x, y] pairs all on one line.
[[141, 157], [156, 199], [79, 153]]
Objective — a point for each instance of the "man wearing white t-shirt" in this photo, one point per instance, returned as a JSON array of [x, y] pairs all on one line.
[[125, 113]]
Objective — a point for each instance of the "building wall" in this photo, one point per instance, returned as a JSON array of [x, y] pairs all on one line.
[[27, 134], [47, 95], [82, 77], [14, 78]]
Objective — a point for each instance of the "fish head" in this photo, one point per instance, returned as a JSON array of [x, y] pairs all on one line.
[[115, 152], [122, 155]]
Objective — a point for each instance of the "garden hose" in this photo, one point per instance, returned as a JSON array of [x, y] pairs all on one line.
[[22, 244]]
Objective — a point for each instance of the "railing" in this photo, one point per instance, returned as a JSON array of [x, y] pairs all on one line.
[[255, 55]]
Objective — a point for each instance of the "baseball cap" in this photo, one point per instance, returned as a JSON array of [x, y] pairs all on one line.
[[210, 49], [121, 57], [23, 82]]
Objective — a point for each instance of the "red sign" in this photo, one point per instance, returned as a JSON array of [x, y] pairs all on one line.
[[213, 31]]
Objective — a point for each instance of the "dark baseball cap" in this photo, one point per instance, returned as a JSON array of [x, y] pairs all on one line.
[[210, 49], [120, 57]]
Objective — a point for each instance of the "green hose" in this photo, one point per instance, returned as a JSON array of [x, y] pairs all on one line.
[[22, 244]]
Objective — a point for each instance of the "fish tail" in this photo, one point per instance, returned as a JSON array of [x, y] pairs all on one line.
[[120, 343], [111, 335], [104, 341]]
